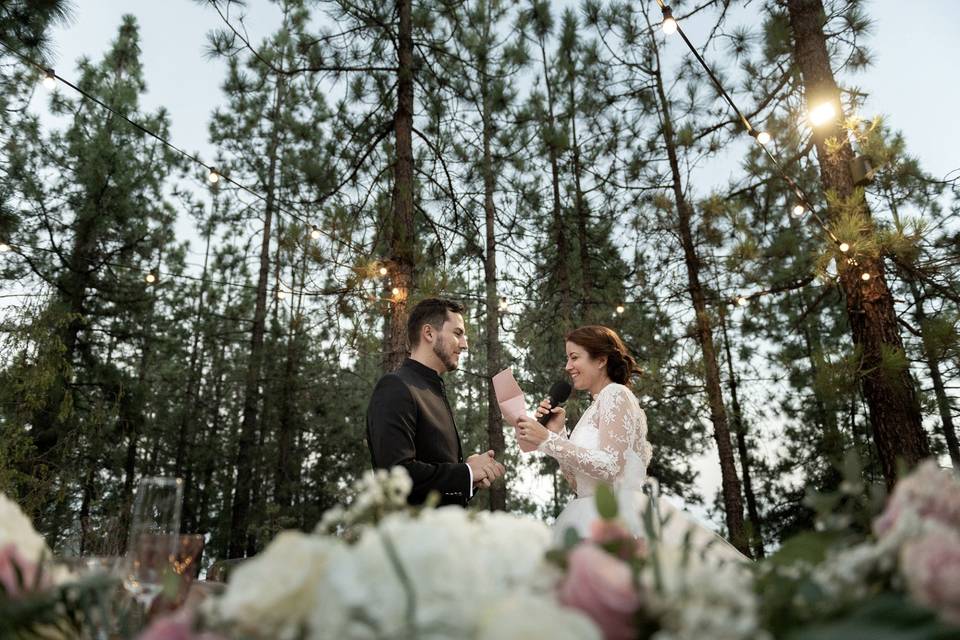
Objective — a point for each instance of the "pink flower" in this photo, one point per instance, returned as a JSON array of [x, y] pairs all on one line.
[[176, 626], [931, 492], [10, 561], [610, 532], [931, 567], [601, 586]]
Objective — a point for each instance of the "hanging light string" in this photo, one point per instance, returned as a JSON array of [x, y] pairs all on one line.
[[670, 26], [214, 176]]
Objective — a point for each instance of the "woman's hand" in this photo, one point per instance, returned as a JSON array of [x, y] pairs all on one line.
[[558, 416], [531, 431]]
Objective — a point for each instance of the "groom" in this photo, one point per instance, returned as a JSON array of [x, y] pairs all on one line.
[[409, 420]]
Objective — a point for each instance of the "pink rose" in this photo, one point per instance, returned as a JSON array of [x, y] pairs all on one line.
[[931, 567], [601, 586], [610, 532], [931, 492], [10, 558]]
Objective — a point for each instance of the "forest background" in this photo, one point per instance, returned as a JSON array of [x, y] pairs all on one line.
[[548, 163]]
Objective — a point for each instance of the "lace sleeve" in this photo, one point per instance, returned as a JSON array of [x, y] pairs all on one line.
[[619, 428]]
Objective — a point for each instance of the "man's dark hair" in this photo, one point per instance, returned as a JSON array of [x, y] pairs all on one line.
[[432, 311]]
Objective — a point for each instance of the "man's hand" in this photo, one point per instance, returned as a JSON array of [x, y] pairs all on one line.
[[485, 469]]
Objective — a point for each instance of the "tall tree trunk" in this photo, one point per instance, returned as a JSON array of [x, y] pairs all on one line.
[[241, 542], [743, 451], [732, 500], [402, 238], [558, 226], [580, 210], [286, 473], [495, 438], [891, 397]]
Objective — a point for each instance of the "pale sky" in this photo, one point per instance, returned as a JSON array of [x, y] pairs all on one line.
[[916, 46]]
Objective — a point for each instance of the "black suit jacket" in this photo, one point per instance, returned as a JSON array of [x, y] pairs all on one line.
[[410, 423]]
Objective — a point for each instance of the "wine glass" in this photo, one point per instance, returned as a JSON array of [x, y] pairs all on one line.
[[153, 538]]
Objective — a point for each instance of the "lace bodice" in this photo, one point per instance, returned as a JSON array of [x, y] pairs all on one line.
[[608, 445]]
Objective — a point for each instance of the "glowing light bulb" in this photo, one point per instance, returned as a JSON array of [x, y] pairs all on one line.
[[620, 309], [150, 278], [822, 114], [384, 271], [742, 301], [4, 247], [315, 232], [395, 291], [669, 23], [213, 177], [49, 79], [865, 276], [844, 247], [763, 137], [798, 210]]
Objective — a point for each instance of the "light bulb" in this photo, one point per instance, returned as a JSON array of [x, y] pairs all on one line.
[[669, 23], [822, 114], [150, 278], [865, 276], [742, 301], [763, 137], [798, 210], [281, 295], [396, 291], [620, 309], [49, 79], [4, 247], [315, 232], [384, 271], [504, 304], [213, 177], [844, 247]]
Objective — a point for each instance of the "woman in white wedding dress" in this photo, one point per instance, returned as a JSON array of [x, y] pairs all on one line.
[[609, 446]]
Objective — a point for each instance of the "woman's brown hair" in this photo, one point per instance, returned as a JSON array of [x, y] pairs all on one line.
[[600, 342]]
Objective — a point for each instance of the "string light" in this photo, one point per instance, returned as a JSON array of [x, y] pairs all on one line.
[[504, 304], [213, 177], [4, 247], [798, 211], [395, 291], [760, 136], [384, 271], [150, 278], [315, 232], [669, 25], [281, 294], [822, 114], [865, 276], [620, 309], [742, 301], [844, 247], [49, 79]]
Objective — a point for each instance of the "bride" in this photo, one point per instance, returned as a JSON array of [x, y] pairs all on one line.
[[609, 446]]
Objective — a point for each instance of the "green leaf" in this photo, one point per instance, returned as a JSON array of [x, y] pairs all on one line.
[[886, 617], [809, 546], [571, 538], [606, 502]]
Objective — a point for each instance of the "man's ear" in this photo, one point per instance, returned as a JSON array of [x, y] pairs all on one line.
[[426, 332]]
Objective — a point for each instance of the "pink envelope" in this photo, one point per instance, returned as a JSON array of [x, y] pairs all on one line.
[[511, 401]]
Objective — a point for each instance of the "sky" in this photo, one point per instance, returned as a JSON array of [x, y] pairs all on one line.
[[912, 82]]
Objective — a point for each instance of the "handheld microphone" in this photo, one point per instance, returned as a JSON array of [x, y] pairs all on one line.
[[559, 393]]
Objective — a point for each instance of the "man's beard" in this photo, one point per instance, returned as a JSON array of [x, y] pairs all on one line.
[[445, 356]]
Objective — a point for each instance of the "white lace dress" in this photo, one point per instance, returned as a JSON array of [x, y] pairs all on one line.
[[609, 446]]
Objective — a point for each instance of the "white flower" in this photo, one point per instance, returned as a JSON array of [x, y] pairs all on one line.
[[277, 591], [521, 615], [16, 528]]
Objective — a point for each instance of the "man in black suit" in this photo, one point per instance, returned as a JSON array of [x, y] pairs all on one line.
[[409, 420]]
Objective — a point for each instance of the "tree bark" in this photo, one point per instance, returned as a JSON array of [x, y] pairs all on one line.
[[891, 395]]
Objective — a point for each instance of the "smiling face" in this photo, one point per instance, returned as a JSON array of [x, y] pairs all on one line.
[[449, 341], [587, 374]]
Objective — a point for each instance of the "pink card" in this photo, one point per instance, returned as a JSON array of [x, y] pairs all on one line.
[[511, 401]]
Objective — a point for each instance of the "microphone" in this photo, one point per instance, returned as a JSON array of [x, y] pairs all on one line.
[[559, 393]]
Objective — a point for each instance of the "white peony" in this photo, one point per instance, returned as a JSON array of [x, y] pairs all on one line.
[[16, 528], [521, 615], [276, 592]]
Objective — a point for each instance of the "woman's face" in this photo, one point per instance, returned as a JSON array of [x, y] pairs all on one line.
[[583, 370]]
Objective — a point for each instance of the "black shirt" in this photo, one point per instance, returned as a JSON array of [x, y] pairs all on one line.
[[410, 423]]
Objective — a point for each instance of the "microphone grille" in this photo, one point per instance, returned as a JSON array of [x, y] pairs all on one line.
[[559, 392]]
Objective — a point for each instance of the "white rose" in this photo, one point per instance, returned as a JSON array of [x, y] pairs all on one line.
[[520, 615], [277, 590], [16, 528]]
